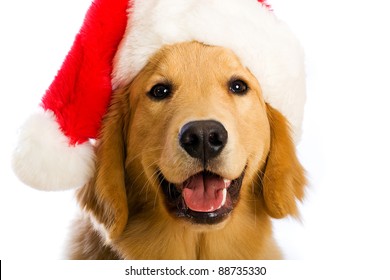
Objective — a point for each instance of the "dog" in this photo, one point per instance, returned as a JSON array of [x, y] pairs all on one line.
[[191, 163]]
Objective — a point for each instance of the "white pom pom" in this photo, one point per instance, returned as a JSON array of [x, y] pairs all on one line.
[[43, 158]]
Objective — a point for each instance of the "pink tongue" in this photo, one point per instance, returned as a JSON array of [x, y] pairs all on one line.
[[204, 192]]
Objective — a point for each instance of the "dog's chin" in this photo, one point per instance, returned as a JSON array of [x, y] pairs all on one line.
[[208, 206]]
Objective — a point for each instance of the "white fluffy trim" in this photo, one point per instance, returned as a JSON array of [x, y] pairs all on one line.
[[263, 43], [44, 160]]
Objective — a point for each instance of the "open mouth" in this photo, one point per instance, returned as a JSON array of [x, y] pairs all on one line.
[[204, 198]]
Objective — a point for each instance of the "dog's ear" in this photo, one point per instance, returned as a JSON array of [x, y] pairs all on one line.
[[284, 179], [104, 197]]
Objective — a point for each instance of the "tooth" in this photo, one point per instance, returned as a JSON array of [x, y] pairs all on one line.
[[224, 193], [227, 182]]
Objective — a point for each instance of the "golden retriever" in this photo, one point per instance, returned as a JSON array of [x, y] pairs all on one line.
[[191, 163]]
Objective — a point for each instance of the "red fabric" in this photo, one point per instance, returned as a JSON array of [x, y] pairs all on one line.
[[81, 91], [264, 2]]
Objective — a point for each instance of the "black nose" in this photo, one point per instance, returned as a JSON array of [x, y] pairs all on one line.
[[203, 140]]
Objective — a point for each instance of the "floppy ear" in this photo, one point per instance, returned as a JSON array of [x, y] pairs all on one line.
[[104, 197], [284, 177]]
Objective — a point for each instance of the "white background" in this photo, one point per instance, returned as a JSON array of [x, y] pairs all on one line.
[[345, 146]]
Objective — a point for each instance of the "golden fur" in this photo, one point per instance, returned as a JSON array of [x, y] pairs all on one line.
[[124, 214]]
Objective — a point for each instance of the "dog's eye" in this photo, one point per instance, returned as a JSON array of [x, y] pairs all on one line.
[[160, 91], [238, 87]]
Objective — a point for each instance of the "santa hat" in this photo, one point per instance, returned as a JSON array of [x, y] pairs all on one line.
[[115, 42]]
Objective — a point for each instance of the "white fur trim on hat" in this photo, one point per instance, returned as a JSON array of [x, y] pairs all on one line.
[[45, 160], [263, 43]]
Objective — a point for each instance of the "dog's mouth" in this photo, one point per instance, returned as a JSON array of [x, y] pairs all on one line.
[[204, 198]]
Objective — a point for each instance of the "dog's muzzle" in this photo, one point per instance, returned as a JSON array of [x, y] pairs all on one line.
[[204, 197]]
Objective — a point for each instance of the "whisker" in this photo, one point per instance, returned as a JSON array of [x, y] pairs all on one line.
[[130, 160]]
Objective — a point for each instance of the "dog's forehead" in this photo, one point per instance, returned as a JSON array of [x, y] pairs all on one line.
[[190, 56]]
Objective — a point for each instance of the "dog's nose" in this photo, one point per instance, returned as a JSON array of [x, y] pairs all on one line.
[[203, 140]]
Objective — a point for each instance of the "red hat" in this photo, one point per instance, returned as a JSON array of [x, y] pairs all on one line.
[[116, 40]]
